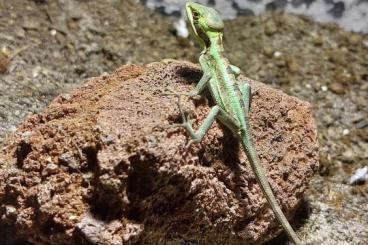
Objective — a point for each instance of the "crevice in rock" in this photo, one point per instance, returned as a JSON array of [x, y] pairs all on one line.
[[7, 236], [141, 184], [50, 227], [192, 76], [22, 152], [91, 154], [105, 211]]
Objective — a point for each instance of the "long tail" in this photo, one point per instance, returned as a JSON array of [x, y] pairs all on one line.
[[265, 186]]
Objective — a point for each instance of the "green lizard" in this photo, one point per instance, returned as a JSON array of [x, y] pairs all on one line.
[[232, 99]]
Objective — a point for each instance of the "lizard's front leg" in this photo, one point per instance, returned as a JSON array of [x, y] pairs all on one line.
[[201, 132], [197, 136], [196, 91], [235, 70], [216, 112], [201, 85]]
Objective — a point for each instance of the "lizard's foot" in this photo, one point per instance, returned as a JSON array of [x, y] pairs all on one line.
[[187, 122], [190, 142], [186, 117], [187, 125]]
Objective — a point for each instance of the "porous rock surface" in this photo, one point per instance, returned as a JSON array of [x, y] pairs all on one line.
[[102, 166]]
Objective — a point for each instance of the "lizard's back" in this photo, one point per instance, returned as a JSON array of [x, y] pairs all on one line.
[[223, 85]]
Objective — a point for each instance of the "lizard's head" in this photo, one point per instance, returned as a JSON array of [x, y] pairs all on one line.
[[205, 21]]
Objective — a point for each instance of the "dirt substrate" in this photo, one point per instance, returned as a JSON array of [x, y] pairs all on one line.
[[54, 45]]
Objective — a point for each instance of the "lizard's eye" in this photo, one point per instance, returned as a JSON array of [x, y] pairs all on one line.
[[195, 15]]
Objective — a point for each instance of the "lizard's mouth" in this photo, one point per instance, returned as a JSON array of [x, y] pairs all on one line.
[[189, 11]]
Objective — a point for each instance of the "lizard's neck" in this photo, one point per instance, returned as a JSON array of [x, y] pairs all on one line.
[[215, 44]]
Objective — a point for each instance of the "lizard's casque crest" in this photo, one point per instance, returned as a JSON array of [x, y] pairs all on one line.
[[205, 18]]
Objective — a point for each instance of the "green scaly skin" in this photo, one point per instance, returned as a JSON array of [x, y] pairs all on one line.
[[232, 98]]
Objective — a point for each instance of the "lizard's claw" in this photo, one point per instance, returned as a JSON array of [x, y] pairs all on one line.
[[190, 142], [185, 125], [187, 120], [186, 117]]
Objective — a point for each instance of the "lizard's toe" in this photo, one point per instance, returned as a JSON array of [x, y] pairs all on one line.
[[190, 142]]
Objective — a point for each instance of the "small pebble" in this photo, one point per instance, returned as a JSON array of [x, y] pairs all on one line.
[[51, 168], [10, 210], [270, 28], [324, 88], [277, 54], [268, 51], [345, 131], [348, 156], [53, 32], [361, 124], [69, 160], [337, 88], [365, 43], [36, 71], [31, 24], [317, 40], [360, 175], [108, 139]]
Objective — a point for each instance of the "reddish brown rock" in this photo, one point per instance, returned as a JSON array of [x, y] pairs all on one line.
[[100, 166]]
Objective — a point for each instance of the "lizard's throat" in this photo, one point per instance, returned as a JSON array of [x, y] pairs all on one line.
[[215, 43]]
